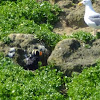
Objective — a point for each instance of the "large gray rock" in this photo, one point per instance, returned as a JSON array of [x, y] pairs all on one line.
[[23, 44], [70, 55]]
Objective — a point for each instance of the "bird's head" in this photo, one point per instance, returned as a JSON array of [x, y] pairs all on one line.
[[85, 2], [37, 52]]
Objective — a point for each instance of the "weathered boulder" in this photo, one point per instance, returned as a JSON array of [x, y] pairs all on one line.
[[70, 55], [23, 45], [76, 18], [66, 6]]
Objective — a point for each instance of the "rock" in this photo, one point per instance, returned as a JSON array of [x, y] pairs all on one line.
[[21, 45], [76, 16], [66, 5], [22, 40], [70, 55], [72, 17]]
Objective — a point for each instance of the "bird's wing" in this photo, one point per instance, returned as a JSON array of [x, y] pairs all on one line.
[[95, 18], [31, 60]]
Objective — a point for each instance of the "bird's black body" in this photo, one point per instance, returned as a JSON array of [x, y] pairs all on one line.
[[32, 61]]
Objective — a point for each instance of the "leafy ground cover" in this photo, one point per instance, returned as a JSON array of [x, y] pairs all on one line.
[[29, 16], [19, 84], [46, 83], [85, 37], [85, 86]]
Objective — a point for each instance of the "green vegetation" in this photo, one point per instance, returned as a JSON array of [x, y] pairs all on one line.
[[19, 84], [47, 36], [28, 16], [83, 36], [85, 86], [45, 83]]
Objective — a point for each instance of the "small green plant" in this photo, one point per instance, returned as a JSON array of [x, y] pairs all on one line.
[[83, 36]]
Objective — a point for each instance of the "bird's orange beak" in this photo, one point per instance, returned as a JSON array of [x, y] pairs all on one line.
[[40, 53], [80, 4]]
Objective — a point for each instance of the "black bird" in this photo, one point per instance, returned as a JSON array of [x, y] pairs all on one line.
[[33, 59]]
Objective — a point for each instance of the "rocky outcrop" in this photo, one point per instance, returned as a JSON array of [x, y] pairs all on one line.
[[72, 17], [76, 17], [23, 44], [70, 55]]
